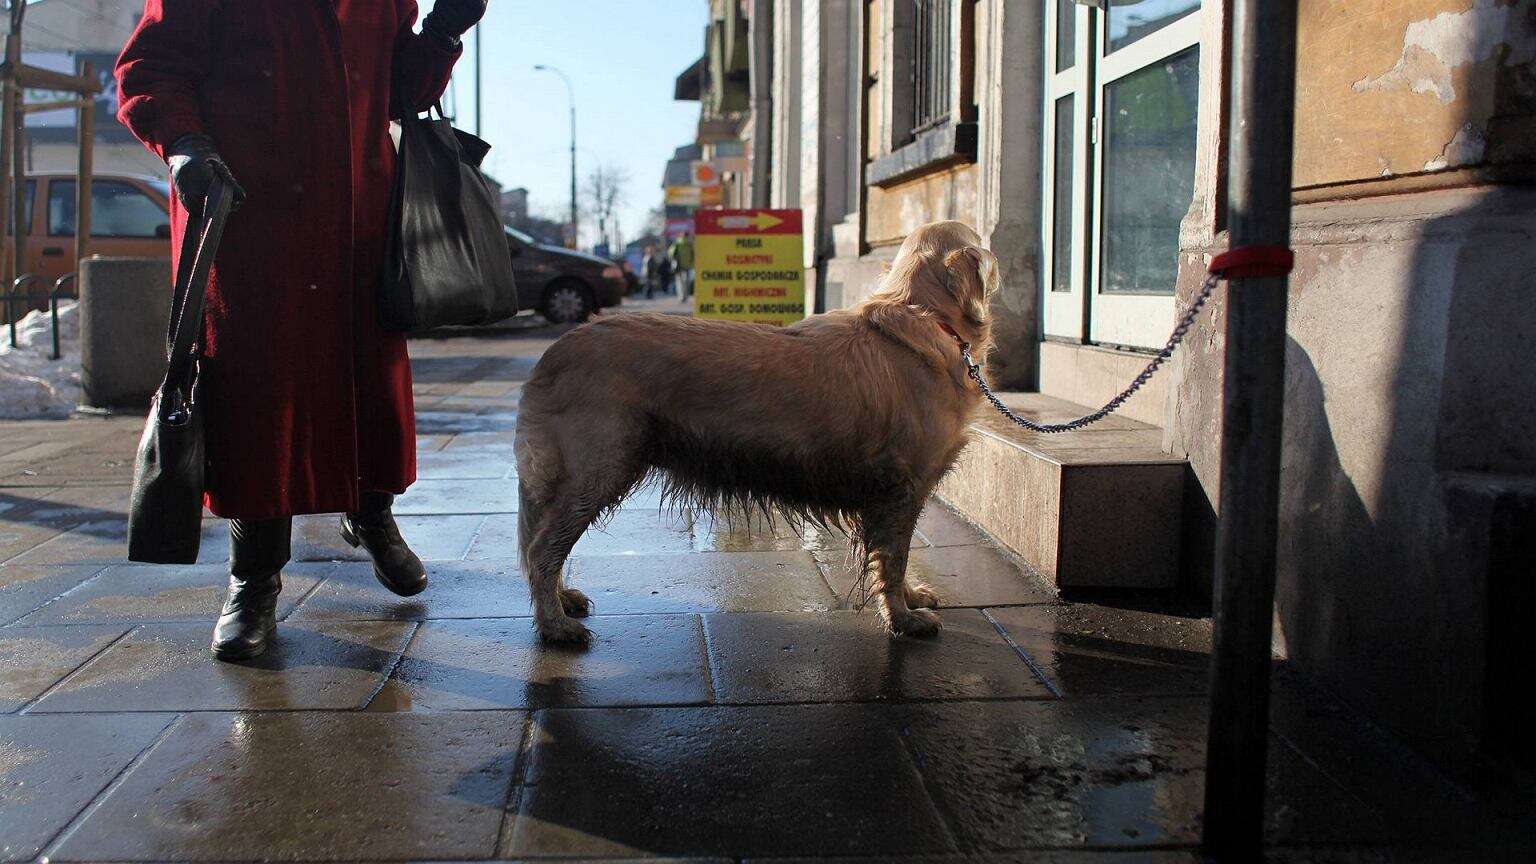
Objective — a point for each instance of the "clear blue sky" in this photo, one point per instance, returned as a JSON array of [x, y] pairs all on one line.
[[623, 57]]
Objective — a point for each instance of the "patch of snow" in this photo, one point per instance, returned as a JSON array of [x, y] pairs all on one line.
[[33, 386]]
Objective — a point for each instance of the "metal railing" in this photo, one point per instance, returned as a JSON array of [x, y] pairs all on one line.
[[933, 64], [53, 306], [13, 295], [17, 294]]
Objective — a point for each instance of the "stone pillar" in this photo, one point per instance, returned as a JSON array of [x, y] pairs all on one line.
[[810, 133], [787, 72], [125, 306], [1008, 93]]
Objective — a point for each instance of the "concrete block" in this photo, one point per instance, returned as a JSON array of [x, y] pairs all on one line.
[[1095, 508], [125, 306]]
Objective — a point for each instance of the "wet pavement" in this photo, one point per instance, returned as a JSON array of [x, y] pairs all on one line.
[[733, 704]]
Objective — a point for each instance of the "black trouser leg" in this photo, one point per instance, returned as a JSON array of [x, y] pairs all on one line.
[[259, 548], [373, 529]]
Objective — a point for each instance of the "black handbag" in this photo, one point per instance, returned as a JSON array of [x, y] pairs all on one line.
[[165, 515], [446, 260]]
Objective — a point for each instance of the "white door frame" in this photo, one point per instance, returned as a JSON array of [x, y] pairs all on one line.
[[1065, 312], [1084, 314], [1130, 320]]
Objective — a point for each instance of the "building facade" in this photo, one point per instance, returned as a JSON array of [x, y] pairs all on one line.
[[1085, 141]]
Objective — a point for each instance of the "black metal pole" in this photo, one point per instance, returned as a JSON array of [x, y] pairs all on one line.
[[53, 307], [1259, 213]]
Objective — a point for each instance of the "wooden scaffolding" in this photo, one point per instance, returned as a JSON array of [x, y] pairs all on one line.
[[16, 78]]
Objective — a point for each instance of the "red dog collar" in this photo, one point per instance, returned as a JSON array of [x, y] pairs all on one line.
[[943, 325]]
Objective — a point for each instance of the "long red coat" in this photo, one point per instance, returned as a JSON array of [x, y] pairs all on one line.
[[307, 399]]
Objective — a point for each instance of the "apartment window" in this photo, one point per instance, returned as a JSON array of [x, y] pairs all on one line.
[[1122, 94], [933, 64], [922, 88]]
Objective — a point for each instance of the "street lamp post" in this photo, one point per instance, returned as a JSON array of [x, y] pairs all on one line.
[[570, 91]]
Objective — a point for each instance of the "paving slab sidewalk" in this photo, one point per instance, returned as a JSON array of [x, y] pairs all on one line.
[[733, 705]]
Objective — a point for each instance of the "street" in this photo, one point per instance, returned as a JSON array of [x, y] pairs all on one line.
[[732, 704]]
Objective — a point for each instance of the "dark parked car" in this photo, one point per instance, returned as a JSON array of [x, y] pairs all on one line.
[[563, 285]]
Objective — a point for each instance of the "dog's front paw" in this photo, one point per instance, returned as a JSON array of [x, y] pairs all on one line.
[[920, 596], [575, 603], [916, 622], [564, 631]]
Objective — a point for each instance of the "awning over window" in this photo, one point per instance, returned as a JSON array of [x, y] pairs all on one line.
[[690, 84], [730, 83]]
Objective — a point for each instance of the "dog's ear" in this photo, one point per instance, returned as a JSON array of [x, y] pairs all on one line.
[[972, 279]]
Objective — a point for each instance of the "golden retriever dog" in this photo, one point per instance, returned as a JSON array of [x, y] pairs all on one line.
[[847, 418]]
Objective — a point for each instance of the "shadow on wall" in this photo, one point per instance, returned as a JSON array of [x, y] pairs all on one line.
[[1408, 496], [1403, 515]]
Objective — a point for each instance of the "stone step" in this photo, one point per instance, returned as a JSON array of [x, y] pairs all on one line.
[[1094, 508]]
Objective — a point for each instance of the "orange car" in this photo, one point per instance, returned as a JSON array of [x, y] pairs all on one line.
[[129, 217]]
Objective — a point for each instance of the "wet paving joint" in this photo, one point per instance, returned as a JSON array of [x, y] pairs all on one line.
[[51, 769], [37, 659], [166, 667], [310, 786]]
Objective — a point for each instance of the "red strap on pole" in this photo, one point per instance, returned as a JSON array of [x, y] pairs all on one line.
[[1253, 262]]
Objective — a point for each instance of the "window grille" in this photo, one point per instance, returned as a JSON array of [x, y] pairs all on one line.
[[933, 69]]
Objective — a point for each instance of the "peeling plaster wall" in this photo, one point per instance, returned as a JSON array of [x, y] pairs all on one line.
[[1391, 88]]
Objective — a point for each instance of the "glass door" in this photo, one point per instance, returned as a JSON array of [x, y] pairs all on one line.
[[1068, 124], [1132, 161]]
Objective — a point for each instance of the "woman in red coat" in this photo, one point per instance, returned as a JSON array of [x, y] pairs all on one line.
[[307, 399]]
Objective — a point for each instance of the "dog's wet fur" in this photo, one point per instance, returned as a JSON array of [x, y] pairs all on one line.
[[848, 418]]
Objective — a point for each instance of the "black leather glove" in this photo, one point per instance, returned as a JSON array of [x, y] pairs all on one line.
[[194, 163], [451, 19]]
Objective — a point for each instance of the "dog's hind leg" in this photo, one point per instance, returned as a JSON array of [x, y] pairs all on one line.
[[887, 536], [552, 517], [552, 530]]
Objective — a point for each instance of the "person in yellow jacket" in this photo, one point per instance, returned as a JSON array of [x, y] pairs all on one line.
[[681, 254]]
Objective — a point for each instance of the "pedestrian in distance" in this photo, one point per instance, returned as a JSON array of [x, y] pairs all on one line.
[[651, 265], [306, 398], [664, 279], [681, 254]]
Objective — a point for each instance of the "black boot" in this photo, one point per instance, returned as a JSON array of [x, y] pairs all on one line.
[[258, 551], [374, 529]]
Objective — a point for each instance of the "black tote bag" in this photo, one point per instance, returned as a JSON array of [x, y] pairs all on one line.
[[165, 516], [447, 261]]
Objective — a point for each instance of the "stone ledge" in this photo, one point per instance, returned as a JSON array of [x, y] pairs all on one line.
[[1092, 375], [1094, 508], [949, 144]]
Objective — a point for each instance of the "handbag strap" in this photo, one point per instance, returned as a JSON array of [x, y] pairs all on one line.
[[199, 246]]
